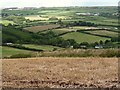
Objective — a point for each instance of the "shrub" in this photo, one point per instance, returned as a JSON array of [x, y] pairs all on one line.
[[21, 56], [110, 53]]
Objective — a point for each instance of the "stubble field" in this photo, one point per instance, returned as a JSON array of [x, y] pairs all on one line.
[[60, 72]]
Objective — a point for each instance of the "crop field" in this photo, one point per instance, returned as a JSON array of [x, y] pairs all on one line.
[[60, 72], [57, 13], [88, 62], [62, 30], [41, 28], [101, 20], [45, 17], [42, 47], [35, 17], [104, 32], [81, 37], [74, 28], [84, 27], [6, 22], [8, 51]]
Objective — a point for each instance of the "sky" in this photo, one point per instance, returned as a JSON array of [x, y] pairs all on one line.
[[56, 3]]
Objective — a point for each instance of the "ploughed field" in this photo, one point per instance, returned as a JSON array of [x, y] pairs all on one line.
[[64, 72]]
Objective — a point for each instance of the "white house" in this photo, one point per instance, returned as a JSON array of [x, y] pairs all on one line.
[[98, 47]]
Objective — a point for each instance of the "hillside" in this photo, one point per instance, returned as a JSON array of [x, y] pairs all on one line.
[[60, 27]]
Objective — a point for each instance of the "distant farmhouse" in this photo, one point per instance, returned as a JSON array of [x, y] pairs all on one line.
[[29, 8], [87, 14], [98, 47], [115, 14], [16, 8], [12, 8]]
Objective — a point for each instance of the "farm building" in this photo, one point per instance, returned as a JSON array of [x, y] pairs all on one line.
[[87, 14], [98, 47]]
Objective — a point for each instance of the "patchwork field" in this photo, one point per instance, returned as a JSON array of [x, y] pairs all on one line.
[[84, 27], [60, 72], [8, 51], [6, 22], [42, 47], [41, 28], [35, 17], [81, 37], [63, 30], [79, 64], [74, 28], [103, 32]]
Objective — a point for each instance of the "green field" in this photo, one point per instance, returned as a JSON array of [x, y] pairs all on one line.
[[6, 22], [80, 37], [8, 51], [83, 24], [104, 32], [35, 17], [41, 28], [42, 47], [69, 29]]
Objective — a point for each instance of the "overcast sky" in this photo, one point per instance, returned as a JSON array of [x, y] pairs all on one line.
[[56, 3]]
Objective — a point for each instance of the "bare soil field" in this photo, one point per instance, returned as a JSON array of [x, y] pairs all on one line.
[[60, 72], [41, 28]]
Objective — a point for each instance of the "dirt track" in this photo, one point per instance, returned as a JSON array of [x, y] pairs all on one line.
[[60, 72]]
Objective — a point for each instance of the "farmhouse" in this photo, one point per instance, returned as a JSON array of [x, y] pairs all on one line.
[[83, 46], [12, 8], [98, 47], [29, 8], [83, 14], [87, 14], [8, 43]]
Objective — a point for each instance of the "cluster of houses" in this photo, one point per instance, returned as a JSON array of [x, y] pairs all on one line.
[[81, 46], [22, 8], [95, 47], [115, 14], [87, 14], [93, 14]]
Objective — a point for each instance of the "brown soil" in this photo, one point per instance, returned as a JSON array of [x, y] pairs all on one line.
[[60, 72]]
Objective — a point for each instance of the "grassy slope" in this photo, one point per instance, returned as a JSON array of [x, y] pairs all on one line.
[[80, 37], [6, 22], [41, 28], [8, 51], [74, 28], [43, 47], [16, 34], [104, 32]]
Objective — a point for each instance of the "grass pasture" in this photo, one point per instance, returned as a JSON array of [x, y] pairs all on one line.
[[101, 20], [74, 28], [36, 29], [81, 37], [62, 30], [45, 17], [63, 14], [35, 17], [6, 22], [42, 47], [8, 51], [104, 32], [84, 27]]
